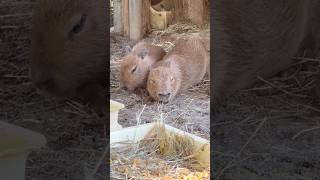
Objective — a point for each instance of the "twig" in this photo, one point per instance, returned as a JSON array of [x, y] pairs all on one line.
[[281, 89], [101, 159], [228, 166], [252, 136], [232, 162], [304, 131]]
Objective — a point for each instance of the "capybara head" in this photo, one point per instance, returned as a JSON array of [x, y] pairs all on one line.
[[163, 83], [134, 70], [136, 65], [68, 46]]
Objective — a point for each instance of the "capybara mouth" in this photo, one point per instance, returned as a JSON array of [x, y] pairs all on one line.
[[164, 100], [127, 89]]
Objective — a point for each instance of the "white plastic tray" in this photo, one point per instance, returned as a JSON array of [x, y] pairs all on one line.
[[136, 133], [15, 145]]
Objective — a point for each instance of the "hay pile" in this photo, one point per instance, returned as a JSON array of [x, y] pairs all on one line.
[[160, 155], [167, 38]]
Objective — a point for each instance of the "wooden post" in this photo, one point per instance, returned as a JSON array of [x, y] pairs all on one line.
[[125, 17], [135, 19], [117, 16], [145, 15], [196, 11]]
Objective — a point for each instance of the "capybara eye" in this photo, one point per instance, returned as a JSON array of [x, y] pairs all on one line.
[[78, 27], [134, 69]]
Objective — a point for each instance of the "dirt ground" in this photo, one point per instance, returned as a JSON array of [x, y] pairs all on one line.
[[72, 146], [271, 131]]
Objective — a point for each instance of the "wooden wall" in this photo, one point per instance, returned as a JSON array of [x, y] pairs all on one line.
[[134, 15]]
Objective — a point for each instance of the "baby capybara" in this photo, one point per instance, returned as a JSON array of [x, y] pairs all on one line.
[[136, 65], [184, 66]]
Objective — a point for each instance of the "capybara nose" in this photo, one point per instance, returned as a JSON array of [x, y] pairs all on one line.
[[124, 88], [164, 94]]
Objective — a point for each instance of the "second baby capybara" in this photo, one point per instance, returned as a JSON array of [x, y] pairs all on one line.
[[259, 38], [135, 67], [69, 50], [185, 65]]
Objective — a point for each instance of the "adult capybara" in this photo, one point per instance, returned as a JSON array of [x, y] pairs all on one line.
[[69, 50], [258, 38], [135, 66], [185, 65]]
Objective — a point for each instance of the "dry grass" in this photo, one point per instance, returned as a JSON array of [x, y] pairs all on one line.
[[160, 155]]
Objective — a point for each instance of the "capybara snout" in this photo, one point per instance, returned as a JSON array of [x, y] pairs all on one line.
[[162, 84], [44, 82], [68, 47]]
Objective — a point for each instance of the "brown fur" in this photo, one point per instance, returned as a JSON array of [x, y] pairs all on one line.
[[142, 58], [258, 38], [65, 64], [184, 66]]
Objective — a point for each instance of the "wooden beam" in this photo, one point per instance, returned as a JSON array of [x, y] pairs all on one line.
[[125, 17], [135, 20], [146, 25], [117, 16], [195, 11]]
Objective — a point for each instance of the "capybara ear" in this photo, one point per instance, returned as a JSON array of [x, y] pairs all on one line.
[[128, 49], [143, 53]]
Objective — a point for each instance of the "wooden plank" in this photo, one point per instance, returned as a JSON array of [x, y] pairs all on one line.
[[135, 20], [125, 17], [117, 16], [195, 11], [146, 25], [178, 13]]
